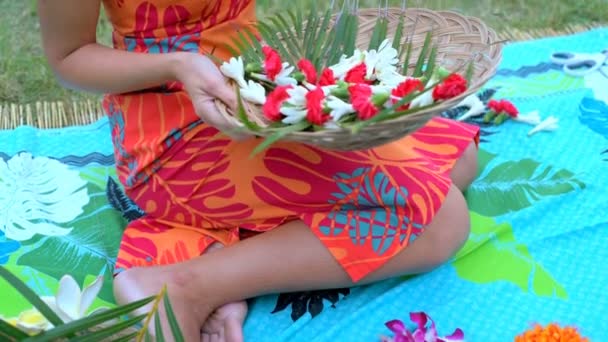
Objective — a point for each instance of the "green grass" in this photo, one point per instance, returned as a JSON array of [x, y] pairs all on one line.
[[26, 78]]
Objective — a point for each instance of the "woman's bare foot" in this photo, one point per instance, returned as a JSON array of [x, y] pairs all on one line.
[[191, 312], [226, 323]]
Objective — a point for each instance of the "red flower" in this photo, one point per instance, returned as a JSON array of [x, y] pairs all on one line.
[[404, 89], [308, 69], [452, 86], [274, 101], [357, 74], [503, 106], [327, 77], [314, 106], [361, 99], [272, 62]]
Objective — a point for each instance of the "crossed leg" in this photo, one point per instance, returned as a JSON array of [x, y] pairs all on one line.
[[200, 288]]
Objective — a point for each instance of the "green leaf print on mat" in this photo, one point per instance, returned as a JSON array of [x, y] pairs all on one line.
[[89, 249], [98, 175], [544, 84], [515, 185], [493, 254]]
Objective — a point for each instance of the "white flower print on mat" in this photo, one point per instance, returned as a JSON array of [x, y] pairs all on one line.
[[37, 195]]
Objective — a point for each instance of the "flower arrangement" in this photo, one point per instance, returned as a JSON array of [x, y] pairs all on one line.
[[550, 333], [425, 331], [313, 76]]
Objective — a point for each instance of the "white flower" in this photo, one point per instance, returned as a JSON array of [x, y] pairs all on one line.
[[390, 77], [254, 93], [293, 115], [70, 303], [532, 118], [283, 78], [475, 105], [235, 69], [385, 58], [549, 124], [423, 100], [346, 63], [37, 195], [297, 96], [339, 108]]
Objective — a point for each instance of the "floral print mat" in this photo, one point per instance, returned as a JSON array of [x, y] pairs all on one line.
[[536, 253]]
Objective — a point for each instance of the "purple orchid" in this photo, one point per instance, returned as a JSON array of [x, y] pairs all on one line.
[[422, 333]]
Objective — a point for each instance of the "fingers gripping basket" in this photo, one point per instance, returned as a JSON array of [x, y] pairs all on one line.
[[459, 40]]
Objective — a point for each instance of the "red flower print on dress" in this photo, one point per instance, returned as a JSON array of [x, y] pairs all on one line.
[[451, 87]]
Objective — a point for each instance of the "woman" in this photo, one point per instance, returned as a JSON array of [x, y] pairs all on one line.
[[346, 217]]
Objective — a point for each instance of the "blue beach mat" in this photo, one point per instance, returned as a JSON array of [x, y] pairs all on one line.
[[537, 251]]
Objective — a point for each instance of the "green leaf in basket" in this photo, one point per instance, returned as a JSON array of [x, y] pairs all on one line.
[[279, 134], [109, 331], [90, 322], [399, 35], [323, 38], [175, 328], [418, 70], [91, 246], [493, 254], [470, 71], [519, 184], [128, 338], [379, 33], [31, 296], [430, 65], [242, 114], [286, 33], [351, 32], [11, 333], [408, 55]]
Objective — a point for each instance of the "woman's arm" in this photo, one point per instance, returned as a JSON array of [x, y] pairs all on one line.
[[69, 38]]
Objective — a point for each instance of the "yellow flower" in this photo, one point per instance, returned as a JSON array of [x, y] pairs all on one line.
[[552, 333], [30, 321]]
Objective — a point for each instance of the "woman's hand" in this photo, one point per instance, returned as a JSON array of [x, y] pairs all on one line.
[[205, 83]]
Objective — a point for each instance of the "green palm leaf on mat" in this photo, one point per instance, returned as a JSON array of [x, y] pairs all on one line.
[[492, 254], [98, 326], [519, 185]]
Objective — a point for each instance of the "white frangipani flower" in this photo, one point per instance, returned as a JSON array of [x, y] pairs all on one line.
[[424, 99], [38, 196], [70, 303], [339, 108], [283, 77], [390, 77], [254, 93], [235, 69]]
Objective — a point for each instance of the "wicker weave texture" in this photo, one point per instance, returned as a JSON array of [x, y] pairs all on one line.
[[459, 39]]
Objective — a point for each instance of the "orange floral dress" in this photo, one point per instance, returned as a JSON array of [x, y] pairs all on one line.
[[197, 186]]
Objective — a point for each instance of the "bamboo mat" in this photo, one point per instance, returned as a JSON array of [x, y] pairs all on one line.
[[47, 115]]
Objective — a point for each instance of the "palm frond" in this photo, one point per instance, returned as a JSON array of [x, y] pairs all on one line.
[[422, 58], [158, 330], [100, 335], [279, 134], [11, 333], [379, 33], [175, 328]]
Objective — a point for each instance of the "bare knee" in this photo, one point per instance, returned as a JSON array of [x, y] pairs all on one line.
[[465, 169], [449, 230]]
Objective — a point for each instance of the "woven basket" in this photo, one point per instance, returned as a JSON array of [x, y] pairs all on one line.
[[458, 39]]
